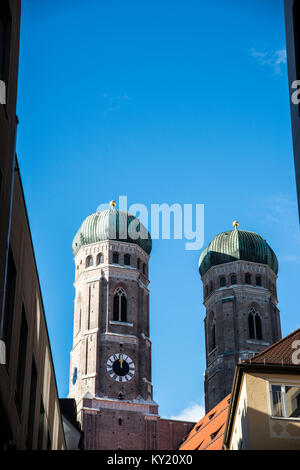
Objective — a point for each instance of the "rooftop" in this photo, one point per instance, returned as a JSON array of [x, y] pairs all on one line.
[[279, 353], [208, 433]]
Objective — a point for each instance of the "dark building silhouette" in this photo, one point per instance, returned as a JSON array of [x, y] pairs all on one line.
[[292, 27], [30, 416]]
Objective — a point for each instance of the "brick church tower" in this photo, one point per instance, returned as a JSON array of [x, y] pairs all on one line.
[[110, 367], [239, 272]]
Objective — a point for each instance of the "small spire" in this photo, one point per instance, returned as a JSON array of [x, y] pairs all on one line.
[[112, 204], [235, 224]]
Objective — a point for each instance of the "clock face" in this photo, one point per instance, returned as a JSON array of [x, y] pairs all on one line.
[[120, 367]]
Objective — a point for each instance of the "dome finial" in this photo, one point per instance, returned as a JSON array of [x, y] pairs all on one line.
[[235, 224], [112, 204]]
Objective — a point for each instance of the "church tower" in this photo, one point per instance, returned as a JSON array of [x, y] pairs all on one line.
[[110, 369], [239, 273]]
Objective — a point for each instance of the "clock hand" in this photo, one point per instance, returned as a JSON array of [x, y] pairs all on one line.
[[121, 361]]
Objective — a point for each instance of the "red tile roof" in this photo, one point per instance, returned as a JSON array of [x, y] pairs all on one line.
[[279, 353], [208, 433]]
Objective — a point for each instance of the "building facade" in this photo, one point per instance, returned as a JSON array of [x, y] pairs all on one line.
[[10, 12], [264, 411], [239, 273], [292, 33], [110, 371], [30, 416]]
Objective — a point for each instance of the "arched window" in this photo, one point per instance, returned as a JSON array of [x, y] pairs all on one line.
[[248, 278], [211, 286], [144, 268], [254, 322], [120, 305], [100, 258], [127, 260], [138, 263], [211, 332], [222, 281], [115, 258], [213, 336], [233, 279], [258, 281], [206, 291], [89, 261]]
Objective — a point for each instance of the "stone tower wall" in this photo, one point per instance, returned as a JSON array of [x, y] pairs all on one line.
[[227, 308]]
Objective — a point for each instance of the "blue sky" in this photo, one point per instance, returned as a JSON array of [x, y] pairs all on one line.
[[162, 101]]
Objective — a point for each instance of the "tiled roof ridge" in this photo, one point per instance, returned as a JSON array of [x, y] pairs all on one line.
[[201, 428], [272, 346]]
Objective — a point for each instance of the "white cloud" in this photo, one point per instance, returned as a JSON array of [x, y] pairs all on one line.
[[275, 59], [113, 102], [192, 412]]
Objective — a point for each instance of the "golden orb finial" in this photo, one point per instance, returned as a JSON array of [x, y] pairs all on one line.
[[113, 204], [235, 224]]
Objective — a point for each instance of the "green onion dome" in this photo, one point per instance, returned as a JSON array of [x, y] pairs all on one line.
[[237, 245], [112, 224]]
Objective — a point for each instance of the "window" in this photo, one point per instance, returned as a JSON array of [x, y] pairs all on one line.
[[248, 278], [21, 363], [115, 258], [100, 258], [5, 38], [215, 433], [41, 425], [211, 332], [120, 305], [233, 279], [32, 402], [138, 264], [258, 280], [89, 261], [144, 268], [75, 375], [213, 336], [285, 400], [49, 445], [9, 302], [211, 286], [127, 260], [206, 291], [222, 281], [254, 323]]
